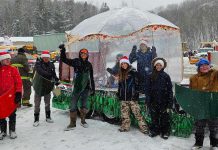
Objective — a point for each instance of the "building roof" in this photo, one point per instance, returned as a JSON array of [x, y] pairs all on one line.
[[18, 39]]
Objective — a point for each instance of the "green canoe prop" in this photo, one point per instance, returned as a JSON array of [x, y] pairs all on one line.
[[41, 85], [200, 105]]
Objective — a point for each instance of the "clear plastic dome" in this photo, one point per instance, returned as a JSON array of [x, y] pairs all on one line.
[[116, 31]]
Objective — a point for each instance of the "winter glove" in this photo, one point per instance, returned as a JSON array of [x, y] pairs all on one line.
[[109, 70], [135, 97], [62, 47], [134, 48], [18, 97], [147, 100], [153, 49], [57, 83]]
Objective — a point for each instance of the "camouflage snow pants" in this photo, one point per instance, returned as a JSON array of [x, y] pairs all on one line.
[[125, 115]]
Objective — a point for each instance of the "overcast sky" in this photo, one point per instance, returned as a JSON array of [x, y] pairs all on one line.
[[141, 4]]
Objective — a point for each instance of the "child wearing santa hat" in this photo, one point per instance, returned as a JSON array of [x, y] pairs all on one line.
[[128, 94], [11, 85]]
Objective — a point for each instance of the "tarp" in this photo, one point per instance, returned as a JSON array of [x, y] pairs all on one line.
[[200, 105], [41, 85], [48, 41], [7, 105]]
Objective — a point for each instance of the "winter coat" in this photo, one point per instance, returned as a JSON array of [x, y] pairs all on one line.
[[46, 70], [9, 77], [20, 61], [205, 81], [144, 60], [128, 89], [82, 69], [159, 90]]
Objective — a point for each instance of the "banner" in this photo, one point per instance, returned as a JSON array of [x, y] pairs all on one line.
[[199, 104]]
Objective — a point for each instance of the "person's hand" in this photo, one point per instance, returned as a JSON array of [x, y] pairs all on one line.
[[147, 100], [153, 49], [134, 48], [62, 47], [18, 97], [57, 83], [109, 70]]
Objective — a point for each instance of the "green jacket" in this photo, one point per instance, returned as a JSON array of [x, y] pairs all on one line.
[[20, 61]]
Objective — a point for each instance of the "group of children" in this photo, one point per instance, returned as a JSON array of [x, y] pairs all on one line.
[[157, 88]]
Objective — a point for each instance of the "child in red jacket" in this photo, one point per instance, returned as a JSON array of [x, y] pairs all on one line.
[[10, 95]]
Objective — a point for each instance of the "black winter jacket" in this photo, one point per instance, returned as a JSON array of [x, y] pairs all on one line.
[[159, 90], [128, 89], [46, 70], [80, 66]]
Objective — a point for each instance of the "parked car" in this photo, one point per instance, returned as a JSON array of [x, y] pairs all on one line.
[[202, 52]]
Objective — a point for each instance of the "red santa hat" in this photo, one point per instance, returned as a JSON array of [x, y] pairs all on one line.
[[45, 53], [4, 55], [124, 59]]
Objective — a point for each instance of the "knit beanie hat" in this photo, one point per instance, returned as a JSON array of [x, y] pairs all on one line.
[[119, 56], [4, 55], [201, 62], [45, 53], [124, 59]]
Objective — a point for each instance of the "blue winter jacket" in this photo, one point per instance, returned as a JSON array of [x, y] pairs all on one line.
[[128, 89], [144, 60]]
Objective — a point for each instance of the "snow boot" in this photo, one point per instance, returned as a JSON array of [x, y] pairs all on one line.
[[2, 135], [12, 124], [36, 120], [3, 130], [144, 129], [199, 139], [165, 136], [12, 134], [72, 125], [152, 134], [26, 103], [48, 117], [83, 117], [196, 147], [123, 130]]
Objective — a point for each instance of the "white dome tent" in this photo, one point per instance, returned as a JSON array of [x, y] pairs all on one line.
[[116, 31]]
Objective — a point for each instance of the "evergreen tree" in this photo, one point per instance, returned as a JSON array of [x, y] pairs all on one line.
[[104, 7], [31, 17]]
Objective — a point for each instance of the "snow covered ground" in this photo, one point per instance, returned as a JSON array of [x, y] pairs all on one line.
[[99, 136]]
